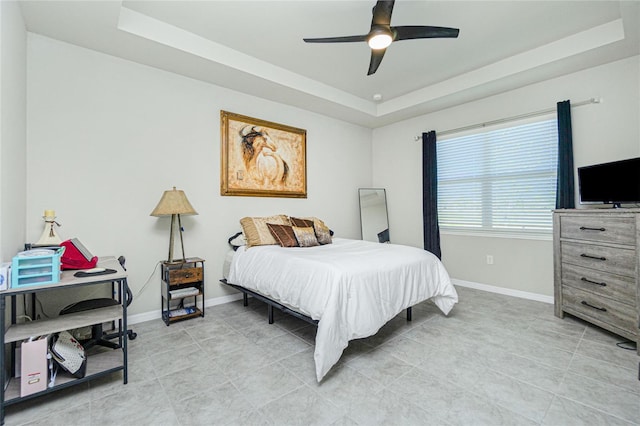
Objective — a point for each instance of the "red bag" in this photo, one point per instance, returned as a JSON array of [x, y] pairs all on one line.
[[76, 256]]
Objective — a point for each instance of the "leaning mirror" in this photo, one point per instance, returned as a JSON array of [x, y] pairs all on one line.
[[373, 214]]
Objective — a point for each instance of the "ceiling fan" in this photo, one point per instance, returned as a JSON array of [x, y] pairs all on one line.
[[382, 34]]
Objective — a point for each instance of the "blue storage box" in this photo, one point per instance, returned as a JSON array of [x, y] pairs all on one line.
[[36, 267]]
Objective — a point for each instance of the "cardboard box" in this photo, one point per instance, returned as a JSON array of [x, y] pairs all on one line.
[[33, 377]]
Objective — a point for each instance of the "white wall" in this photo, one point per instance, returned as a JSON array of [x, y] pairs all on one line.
[[13, 86], [601, 132], [108, 136]]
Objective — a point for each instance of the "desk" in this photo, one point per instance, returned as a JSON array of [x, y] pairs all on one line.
[[99, 364]]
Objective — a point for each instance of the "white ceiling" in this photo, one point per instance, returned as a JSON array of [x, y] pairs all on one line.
[[256, 47]]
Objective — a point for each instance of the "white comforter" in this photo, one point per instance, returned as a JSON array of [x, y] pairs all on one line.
[[351, 287]]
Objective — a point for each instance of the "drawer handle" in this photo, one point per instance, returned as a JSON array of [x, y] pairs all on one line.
[[586, 228], [593, 257], [585, 303], [187, 275], [586, 280]]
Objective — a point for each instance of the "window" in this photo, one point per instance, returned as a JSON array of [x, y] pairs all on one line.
[[499, 181]]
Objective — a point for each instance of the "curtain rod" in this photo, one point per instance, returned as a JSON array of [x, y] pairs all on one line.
[[512, 118]]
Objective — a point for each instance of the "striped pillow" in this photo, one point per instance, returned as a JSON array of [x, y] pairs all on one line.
[[302, 223], [283, 234]]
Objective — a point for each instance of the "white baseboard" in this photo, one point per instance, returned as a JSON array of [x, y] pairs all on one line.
[[148, 316], [506, 291]]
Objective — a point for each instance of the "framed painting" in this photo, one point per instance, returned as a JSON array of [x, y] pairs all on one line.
[[262, 159]]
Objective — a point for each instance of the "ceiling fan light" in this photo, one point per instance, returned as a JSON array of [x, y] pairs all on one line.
[[380, 41]]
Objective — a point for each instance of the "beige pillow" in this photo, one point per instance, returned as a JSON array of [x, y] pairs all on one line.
[[256, 231], [306, 236]]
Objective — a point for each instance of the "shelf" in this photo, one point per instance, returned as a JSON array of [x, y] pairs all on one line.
[[182, 275], [172, 297], [179, 262], [97, 365], [18, 332], [197, 313], [100, 362]]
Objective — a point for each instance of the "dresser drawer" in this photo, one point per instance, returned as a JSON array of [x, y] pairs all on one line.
[[608, 259], [185, 275], [618, 230], [622, 289], [601, 308]]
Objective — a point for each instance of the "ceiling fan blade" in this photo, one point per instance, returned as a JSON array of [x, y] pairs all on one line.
[[381, 26], [345, 39], [382, 12], [409, 32], [376, 58]]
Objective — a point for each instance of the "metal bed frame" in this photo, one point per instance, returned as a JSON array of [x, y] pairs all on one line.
[[273, 304]]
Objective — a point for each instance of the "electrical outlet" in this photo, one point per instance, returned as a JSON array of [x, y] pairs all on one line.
[[489, 259]]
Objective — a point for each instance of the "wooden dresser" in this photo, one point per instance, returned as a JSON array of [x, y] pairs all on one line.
[[596, 268]]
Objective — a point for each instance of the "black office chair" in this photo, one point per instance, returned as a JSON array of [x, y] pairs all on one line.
[[98, 336]]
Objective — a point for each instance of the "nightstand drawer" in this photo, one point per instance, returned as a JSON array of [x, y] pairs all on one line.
[[185, 275], [618, 230], [601, 308], [622, 289], [608, 259]]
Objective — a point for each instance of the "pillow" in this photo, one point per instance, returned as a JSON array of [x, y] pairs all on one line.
[[301, 223], [256, 231], [323, 233], [306, 236], [283, 234]]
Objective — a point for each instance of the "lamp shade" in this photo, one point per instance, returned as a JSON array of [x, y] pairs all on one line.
[[173, 202]]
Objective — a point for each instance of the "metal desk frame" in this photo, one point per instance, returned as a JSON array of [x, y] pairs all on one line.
[[18, 332]]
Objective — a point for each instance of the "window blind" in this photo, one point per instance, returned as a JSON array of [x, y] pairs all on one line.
[[499, 181]]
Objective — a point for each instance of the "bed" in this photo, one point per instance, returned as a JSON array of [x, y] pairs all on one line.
[[349, 288]]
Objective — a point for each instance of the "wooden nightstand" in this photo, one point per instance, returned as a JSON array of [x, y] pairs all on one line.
[[182, 289]]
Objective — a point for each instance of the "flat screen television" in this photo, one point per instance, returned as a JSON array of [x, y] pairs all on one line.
[[610, 183]]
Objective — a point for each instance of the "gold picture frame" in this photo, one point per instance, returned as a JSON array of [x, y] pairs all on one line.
[[262, 159]]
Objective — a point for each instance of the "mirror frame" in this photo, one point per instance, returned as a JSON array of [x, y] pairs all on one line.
[[383, 236]]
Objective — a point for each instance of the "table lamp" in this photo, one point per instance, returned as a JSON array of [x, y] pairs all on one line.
[[174, 203]]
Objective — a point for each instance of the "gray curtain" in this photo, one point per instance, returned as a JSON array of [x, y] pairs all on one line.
[[565, 189], [430, 194]]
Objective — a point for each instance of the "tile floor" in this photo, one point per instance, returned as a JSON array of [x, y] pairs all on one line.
[[496, 360]]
